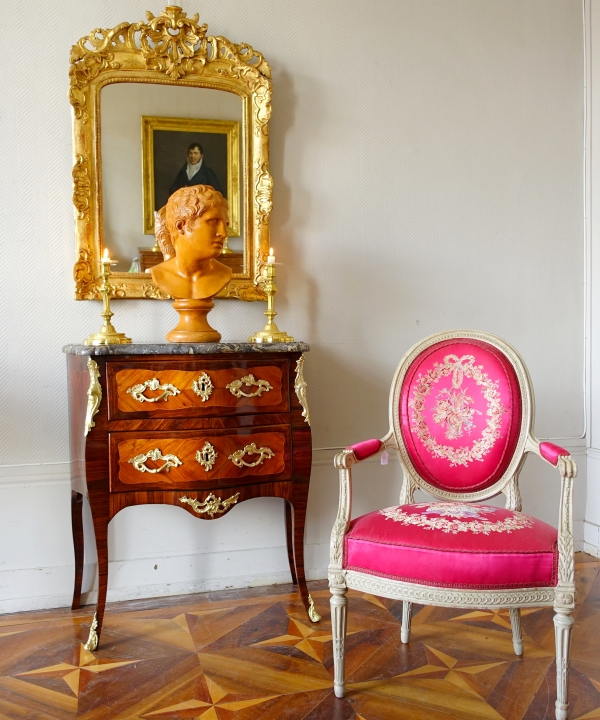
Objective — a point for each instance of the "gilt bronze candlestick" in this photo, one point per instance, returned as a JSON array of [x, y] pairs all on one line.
[[107, 335], [270, 333]]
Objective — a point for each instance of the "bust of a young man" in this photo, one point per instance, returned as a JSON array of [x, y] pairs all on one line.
[[196, 221]]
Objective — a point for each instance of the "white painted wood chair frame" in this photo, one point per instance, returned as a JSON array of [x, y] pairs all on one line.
[[561, 597]]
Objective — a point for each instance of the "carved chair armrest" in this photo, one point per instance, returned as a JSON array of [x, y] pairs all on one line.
[[555, 455], [361, 451], [551, 452]]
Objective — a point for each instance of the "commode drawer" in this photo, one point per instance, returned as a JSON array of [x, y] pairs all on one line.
[[196, 388], [198, 459]]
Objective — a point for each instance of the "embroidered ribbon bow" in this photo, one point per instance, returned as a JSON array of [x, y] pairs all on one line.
[[458, 365]]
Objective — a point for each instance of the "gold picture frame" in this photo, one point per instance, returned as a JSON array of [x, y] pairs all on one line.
[[229, 128], [170, 49]]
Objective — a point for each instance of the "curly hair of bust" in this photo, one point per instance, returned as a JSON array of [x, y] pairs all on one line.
[[163, 237], [189, 203]]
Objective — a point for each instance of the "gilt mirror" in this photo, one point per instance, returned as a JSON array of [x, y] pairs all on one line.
[[158, 105]]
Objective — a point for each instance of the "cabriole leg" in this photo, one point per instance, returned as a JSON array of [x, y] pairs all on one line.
[[406, 618], [289, 535], [515, 621], [563, 622], [339, 605], [77, 526], [100, 516], [298, 518]]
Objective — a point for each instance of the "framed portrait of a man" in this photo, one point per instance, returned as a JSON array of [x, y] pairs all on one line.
[[178, 152]]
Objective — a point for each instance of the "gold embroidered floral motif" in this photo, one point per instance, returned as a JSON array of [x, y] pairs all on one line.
[[455, 517], [454, 413], [456, 510], [453, 410]]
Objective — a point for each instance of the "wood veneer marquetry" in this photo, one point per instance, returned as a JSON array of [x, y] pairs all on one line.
[[181, 374], [125, 446], [220, 397], [253, 655], [119, 501], [77, 527], [207, 423]]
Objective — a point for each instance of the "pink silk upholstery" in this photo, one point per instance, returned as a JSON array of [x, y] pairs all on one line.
[[366, 448], [460, 414], [551, 452], [454, 545]]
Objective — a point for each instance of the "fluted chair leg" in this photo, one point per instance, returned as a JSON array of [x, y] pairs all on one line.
[[563, 623], [515, 621], [339, 605], [406, 618]]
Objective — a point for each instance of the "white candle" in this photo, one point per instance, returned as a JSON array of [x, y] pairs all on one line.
[[271, 258], [106, 259]]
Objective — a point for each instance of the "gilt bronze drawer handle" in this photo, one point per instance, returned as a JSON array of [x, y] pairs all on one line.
[[212, 505], [138, 391], [170, 461], [207, 456], [235, 387], [203, 386], [237, 458]]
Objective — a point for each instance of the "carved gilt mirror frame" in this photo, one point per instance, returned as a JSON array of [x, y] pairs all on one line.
[[169, 49]]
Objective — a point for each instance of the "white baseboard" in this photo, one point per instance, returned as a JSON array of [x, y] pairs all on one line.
[[136, 578], [591, 538]]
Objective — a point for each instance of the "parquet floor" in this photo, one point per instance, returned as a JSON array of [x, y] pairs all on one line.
[[245, 655]]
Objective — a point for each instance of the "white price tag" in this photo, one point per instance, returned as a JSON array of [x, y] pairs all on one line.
[[384, 458]]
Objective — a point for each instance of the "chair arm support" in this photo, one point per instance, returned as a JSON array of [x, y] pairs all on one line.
[[562, 460], [343, 462], [565, 595]]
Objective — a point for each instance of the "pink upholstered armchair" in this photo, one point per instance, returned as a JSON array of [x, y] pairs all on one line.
[[461, 416]]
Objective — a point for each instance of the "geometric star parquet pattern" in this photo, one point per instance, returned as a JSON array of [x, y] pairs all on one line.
[[250, 654]]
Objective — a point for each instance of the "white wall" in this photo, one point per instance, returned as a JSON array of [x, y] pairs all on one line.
[[427, 160], [592, 514]]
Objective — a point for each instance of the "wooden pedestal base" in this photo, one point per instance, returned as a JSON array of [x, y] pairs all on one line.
[[193, 326]]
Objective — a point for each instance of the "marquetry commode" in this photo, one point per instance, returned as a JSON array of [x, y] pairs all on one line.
[[202, 427]]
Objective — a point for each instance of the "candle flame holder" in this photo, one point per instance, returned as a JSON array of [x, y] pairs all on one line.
[[270, 333], [107, 334]]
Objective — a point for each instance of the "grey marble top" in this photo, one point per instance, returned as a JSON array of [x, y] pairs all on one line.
[[184, 348]]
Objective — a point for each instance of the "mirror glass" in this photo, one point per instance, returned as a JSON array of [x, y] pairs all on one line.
[[150, 141]]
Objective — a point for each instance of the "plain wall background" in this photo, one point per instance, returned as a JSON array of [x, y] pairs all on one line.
[[427, 160]]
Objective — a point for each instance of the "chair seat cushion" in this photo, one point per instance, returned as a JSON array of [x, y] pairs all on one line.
[[453, 544]]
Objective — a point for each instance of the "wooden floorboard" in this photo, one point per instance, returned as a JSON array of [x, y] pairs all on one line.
[[250, 654]]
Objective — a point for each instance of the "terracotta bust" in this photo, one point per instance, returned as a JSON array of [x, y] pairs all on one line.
[[191, 230], [196, 222], [162, 236]]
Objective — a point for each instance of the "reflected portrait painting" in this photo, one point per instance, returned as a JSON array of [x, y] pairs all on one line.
[[181, 152]]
